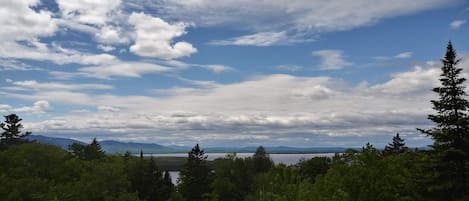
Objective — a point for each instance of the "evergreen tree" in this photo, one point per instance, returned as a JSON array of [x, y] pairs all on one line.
[[12, 131], [127, 155], [137, 177], [195, 176], [396, 147], [153, 183], [451, 133], [92, 151], [146, 179], [261, 160], [167, 184]]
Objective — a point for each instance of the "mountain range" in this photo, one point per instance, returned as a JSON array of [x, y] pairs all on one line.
[[111, 146]]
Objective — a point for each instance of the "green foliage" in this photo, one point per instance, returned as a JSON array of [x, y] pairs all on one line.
[[310, 169], [33, 171], [44, 172], [352, 176], [12, 131], [148, 182], [364, 176], [176, 196], [234, 178], [195, 176], [281, 183]]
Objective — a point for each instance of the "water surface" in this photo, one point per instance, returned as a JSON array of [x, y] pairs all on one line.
[[287, 159]]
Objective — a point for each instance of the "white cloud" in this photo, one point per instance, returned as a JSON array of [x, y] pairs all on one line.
[[332, 59], [284, 106], [89, 59], [418, 81], [40, 106], [57, 55], [457, 23], [111, 35], [108, 109], [22, 27], [88, 12], [61, 75], [404, 55], [67, 25], [121, 69], [20, 30], [104, 19], [303, 17], [106, 48], [4, 108], [15, 65], [317, 92], [154, 38], [216, 68], [289, 67], [112, 70], [19, 22], [38, 86], [260, 39]]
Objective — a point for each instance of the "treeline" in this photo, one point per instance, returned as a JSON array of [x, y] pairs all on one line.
[[32, 171]]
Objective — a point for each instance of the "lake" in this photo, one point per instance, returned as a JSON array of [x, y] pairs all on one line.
[[288, 159]]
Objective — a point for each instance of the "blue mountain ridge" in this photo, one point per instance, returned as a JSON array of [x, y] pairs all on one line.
[[111, 146]]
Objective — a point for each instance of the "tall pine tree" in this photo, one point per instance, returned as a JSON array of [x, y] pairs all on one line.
[[12, 131], [147, 180], [261, 160], [451, 133], [396, 147]]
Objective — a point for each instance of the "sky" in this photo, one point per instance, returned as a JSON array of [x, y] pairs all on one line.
[[303, 73]]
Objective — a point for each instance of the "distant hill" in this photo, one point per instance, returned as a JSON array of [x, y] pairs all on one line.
[[108, 146], [61, 142], [111, 146]]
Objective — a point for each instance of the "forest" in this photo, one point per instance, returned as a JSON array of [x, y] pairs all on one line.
[[30, 171]]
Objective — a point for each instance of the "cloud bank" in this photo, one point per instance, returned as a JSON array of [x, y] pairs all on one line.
[[269, 109]]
